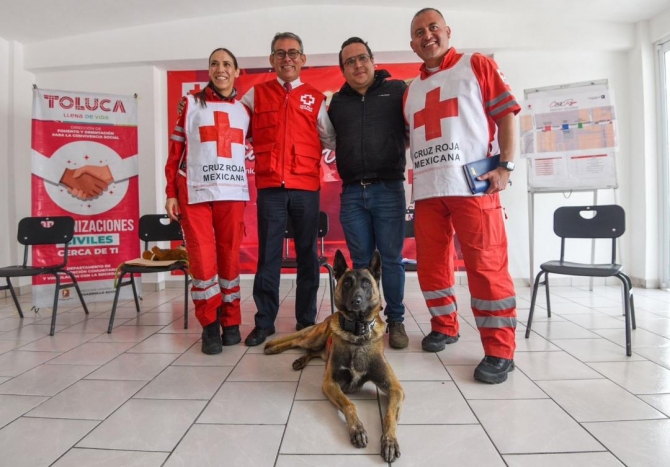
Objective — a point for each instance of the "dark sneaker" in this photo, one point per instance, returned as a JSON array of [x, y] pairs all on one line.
[[211, 340], [231, 335], [258, 335], [435, 341], [300, 326], [493, 370], [397, 336]]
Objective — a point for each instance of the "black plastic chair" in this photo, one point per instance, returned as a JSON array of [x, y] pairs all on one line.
[[152, 228], [43, 231], [289, 262], [607, 221]]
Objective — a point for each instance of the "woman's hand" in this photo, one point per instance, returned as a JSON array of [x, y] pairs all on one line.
[[172, 208]]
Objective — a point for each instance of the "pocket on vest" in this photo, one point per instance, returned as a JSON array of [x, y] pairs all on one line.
[[265, 163], [306, 159]]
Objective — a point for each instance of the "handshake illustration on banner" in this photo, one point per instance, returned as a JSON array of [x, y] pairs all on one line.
[[88, 181]]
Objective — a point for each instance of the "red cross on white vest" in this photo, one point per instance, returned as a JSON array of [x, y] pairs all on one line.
[[432, 114], [223, 134]]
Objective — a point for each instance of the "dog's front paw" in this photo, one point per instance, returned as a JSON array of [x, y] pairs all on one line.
[[390, 448], [300, 363], [358, 435], [271, 349]]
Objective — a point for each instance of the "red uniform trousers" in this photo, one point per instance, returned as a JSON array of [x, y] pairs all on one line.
[[478, 222], [213, 232]]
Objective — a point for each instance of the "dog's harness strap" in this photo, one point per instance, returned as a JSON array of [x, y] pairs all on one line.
[[357, 328]]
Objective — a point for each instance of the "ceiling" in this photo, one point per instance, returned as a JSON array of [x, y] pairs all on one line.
[[29, 21]]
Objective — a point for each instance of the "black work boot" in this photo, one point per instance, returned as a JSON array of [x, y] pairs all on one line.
[[231, 335], [435, 341], [258, 335], [211, 340], [493, 370]]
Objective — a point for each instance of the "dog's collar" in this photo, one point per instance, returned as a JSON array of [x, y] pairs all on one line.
[[357, 328]]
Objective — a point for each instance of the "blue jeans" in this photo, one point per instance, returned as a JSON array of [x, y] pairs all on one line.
[[373, 217]]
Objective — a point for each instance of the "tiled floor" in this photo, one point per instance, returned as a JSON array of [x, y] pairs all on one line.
[[146, 396]]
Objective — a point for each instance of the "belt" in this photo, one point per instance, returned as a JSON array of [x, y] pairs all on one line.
[[367, 181]]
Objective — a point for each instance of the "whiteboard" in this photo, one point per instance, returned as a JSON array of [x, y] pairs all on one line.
[[568, 134]]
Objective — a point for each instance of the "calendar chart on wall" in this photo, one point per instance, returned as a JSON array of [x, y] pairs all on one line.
[[568, 135]]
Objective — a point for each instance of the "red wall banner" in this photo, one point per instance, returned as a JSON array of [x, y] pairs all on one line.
[[84, 165], [328, 80]]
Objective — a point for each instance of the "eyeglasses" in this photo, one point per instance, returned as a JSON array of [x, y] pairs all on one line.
[[281, 54], [362, 58]]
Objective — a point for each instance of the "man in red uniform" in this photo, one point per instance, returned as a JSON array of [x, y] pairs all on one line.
[[289, 127], [453, 109]]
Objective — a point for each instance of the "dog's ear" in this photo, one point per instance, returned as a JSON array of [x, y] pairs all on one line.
[[376, 266], [340, 266]]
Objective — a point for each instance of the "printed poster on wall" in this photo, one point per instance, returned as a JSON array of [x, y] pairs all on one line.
[[84, 165], [329, 80]]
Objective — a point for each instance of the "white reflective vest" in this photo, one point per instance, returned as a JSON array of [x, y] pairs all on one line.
[[215, 151], [448, 128]]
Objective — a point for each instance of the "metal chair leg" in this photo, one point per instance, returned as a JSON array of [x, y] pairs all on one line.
[[546, 289], [119, 284], [132, 282], [76, 287], [16, 300], [55, 307], [626, 290], [532, 303], [185, 300]]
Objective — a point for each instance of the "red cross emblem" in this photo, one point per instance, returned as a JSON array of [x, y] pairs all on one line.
[[222, 133], [433, 113]]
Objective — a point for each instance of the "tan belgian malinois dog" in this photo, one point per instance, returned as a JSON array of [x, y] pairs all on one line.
[[351, 342]]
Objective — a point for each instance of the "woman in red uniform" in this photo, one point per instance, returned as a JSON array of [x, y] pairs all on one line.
[[207, 191]]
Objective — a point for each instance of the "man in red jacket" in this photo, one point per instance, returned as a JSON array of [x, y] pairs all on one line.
[[290, 126]]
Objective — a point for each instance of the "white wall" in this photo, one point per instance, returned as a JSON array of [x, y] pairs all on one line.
[[531, 54], [4, 153]]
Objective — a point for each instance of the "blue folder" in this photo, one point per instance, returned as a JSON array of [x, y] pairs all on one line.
[[477, 168]]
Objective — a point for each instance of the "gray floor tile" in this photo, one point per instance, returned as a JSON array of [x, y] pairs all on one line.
[[144, 425], [660, 402], [438, 445], [59, 342], [561, 330], [92, 353], [12, 407], [636, 444], [143, 367], [266, 403], [552, 365], [536, 426], [596, 350], [77, 457], [185, 382], [598, 401], [517, 386], [432, 403], [660, 355], [194, 356], [165, 343], [18, 361], [37, 442], [311, 460], [88, 400], [260, 367], [413, 366], [128, 334], [234, 445], [637, 377], [582, 459], [45, 380], [317, 427]]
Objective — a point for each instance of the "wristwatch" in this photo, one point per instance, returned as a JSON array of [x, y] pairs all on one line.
[[507, 165]]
